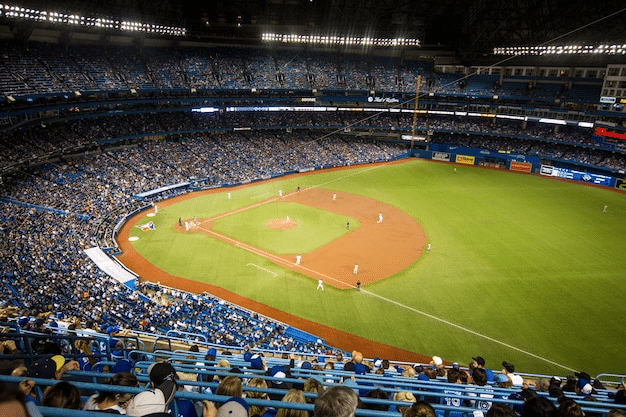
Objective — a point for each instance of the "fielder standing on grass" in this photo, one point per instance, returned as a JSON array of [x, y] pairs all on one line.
[[320, 284]]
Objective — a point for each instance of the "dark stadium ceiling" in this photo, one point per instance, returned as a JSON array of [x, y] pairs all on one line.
[[471, 28]]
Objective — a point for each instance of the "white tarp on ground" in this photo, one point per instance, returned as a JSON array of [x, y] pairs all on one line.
[[112, 268]]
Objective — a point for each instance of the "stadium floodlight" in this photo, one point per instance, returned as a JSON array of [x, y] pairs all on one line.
[[615, 49], [75, 19], [339, 40]]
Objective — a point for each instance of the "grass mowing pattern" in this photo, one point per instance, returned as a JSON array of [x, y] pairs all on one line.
[[526, 260], [315, 227]]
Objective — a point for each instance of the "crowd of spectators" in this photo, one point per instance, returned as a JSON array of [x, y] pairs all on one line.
[[305, 384], [37, 68], [574, 144], [104, 181]]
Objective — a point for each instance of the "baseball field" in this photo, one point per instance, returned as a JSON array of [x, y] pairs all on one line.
[[521, 267]]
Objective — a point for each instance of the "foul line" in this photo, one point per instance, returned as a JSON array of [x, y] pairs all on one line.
[[456, 326], [266, 270], [274, 258], [282, 261]]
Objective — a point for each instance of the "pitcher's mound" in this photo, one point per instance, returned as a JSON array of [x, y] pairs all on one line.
[[282, 224]]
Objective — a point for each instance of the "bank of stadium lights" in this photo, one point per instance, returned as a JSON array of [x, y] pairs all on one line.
[[339, 40], [16, 12], [562, 50]]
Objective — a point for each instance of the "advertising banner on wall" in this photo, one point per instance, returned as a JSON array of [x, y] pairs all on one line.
[[620, 184], [521, 166], [441, 156], [570, 174], [465, 159]]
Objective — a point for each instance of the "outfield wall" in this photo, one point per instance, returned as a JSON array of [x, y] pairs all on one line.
[[513, 162]]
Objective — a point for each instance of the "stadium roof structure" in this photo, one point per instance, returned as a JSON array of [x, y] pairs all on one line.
[[468, 28]]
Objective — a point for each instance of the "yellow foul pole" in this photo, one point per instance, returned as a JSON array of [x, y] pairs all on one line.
[[417, 95]]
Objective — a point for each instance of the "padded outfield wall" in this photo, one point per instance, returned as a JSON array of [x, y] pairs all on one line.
[[514, 162]]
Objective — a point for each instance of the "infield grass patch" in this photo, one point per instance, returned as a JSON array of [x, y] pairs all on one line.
[[315, 227]]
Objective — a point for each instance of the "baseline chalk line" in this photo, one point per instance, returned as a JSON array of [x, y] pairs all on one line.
[[266, 270]]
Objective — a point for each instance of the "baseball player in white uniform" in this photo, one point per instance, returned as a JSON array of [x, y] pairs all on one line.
[[356, 269], [320, 284], [380, 217], [298, 259]]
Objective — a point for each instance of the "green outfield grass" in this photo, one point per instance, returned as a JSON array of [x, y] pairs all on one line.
[[314, 229], [522, 268]]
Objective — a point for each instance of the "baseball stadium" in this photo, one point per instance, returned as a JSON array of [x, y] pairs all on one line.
[[312, 208]]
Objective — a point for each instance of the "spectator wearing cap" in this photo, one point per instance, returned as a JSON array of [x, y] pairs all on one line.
[[479, 362], [52, 368], [509, 370], [554, 388], [154, 401], [503, 381], [280, 373], [256, 362], [161, 372], [233, 407], [583, 384]]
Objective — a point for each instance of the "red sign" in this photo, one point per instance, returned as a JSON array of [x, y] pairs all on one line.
[[601, 131]]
